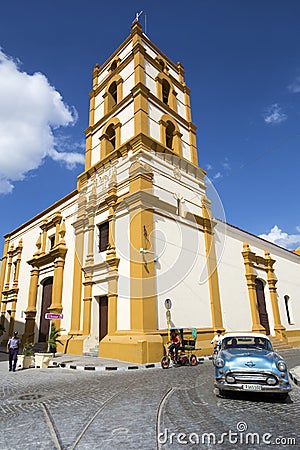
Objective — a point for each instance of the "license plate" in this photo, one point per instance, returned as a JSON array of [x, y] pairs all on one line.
[[252, 387]]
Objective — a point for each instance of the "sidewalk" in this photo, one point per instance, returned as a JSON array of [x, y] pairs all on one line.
[[94, 363], [80, 362]]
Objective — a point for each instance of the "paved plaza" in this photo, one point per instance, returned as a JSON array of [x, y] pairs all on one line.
[[137, 407]]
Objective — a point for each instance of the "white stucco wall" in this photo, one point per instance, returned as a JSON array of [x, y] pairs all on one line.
[[29, 235], [180, 268], [233, 285]]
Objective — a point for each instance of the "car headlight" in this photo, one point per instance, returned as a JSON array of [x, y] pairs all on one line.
[[219, 363], [281, 366], [230, 379]]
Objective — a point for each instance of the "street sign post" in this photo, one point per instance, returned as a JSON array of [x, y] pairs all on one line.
[[51, 316], [168, 306]]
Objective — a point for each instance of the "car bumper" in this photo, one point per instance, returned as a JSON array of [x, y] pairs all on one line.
[[278, 389]]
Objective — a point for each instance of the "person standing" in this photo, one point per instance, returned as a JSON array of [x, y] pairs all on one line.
[[12, 349]]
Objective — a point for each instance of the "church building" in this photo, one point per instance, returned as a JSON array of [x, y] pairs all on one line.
[[138, 230]]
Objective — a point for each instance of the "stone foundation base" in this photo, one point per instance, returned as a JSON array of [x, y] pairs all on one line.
[[137, 348]]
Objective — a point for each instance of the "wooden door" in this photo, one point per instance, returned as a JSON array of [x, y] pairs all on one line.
[[46, 302], [261, 303], [103, 317]]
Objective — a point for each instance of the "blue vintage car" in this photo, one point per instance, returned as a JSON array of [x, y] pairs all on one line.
[[247, 362]]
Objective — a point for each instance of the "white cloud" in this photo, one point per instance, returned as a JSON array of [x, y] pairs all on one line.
[[294, 87], [208, 166], [279, 237], [226, 165], [30, 109], [274, 114], [217, 175]]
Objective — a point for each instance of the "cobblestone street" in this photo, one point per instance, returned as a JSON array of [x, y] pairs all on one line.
[[70, 409]]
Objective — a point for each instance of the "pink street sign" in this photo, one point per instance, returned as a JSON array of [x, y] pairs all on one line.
[[53, 316]]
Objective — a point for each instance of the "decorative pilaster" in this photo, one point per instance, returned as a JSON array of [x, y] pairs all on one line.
[[212, 270], [9, 265], [278, 327], [250, 277], [91, 208], [2, 278], [79, 226], [31, 308], [142, 270], [18, 262], [87, 303]]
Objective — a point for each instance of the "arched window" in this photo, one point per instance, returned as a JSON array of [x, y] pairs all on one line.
[[113, 65], [288, 310], [170, 129], [170, 135], [113, 95], [165, 92], [111, 138]]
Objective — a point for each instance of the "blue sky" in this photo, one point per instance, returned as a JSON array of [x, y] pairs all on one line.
[[242, 64]]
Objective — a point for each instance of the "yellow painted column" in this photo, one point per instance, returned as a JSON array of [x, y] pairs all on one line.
[[278, 327], [12, 317], [250, 277], [193, 145], [56, 305], [4, 264], [212, 270], [31, 308], [44, 235], [140, 91], [87, 304], [113, 262], [142, 270], [18, 262], [2, 278], [9, 265], [91, 208], [78, 259], [88, 149]]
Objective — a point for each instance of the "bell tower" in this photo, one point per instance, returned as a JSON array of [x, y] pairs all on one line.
[[141, 179], [139, 98]]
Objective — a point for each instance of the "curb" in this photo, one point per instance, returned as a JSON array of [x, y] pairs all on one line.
[[294, 377], [102, 368], [92, 368]]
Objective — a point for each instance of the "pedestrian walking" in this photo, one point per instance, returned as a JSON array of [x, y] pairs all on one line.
[[12, 349]]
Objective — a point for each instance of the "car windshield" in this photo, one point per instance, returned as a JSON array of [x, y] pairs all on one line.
[[259, 343]]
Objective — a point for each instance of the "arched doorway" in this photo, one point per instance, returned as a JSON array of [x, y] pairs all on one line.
[[261, 304], [46, 302]]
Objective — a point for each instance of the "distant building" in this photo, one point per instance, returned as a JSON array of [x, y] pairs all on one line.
[[138, 230]]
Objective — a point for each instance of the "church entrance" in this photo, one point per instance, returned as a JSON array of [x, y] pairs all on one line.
[[46, 302], [103, 317], [261, 303]]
